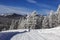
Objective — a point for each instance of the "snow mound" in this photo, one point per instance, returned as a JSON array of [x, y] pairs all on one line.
[[17, 30]]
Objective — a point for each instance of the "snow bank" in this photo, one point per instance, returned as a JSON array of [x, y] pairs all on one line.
[[17, 30]]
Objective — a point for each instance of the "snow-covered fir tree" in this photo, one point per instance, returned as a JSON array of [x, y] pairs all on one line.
[[35, 21]]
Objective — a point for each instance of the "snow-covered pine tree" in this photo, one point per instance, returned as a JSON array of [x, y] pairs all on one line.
[[51, 19], [45, 23]]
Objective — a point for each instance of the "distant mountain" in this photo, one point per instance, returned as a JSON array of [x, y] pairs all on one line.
[[5, 21], [14, 15]]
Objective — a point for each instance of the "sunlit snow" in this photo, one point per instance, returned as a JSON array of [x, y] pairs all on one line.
[[38, 34]]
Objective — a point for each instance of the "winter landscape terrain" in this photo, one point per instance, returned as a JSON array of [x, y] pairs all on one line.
[[38, 34], [29, 19]]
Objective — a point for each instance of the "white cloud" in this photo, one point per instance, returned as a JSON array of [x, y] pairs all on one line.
[[10, 9], [44, 11], [40, 4], [22, 10], [31, 1], [46, 6]]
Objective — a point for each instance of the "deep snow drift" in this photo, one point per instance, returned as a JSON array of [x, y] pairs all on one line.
[[39, 34]]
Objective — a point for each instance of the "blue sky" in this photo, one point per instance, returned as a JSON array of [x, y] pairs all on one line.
[[27, 6]]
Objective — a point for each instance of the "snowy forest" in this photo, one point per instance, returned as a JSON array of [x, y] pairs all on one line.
[[35, 21], [31, 21]]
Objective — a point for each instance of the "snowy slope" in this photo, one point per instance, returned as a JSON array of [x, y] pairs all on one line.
[[40, 34], [36, 35]]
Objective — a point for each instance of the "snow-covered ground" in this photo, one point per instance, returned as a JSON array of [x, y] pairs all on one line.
[[38, 34]]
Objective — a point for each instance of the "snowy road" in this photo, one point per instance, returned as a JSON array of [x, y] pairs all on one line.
[[40, 34], [36, 35]]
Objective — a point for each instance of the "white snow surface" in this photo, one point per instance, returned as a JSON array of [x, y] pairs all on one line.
[[17, 30], [38, 34]]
